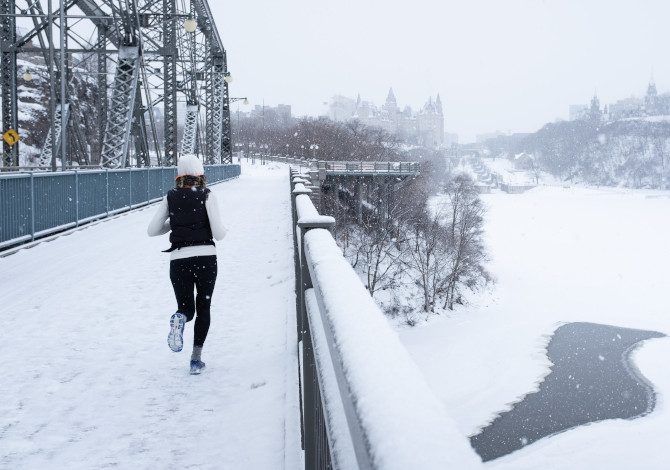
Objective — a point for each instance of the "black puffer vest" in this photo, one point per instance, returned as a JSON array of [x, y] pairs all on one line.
[[189, 222]]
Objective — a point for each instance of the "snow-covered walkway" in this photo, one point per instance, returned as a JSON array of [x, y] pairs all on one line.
[[87, 379]]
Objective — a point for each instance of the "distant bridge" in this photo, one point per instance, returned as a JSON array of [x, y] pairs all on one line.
[[374, 182]]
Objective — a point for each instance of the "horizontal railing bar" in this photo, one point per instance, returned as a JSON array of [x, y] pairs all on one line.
[[349, 166], [14, 241], [342, 448], [51, 230]]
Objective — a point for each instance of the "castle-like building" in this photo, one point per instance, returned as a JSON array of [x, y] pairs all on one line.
[[425, 127], [653, 104]]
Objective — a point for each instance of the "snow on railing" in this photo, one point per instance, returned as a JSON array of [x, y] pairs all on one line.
[[366, 405]]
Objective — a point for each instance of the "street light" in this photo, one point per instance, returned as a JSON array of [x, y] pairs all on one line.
[[227, 77], [264, 151], [27, 76], [238, 146], [190, 25], [253, 152], [314, 148]]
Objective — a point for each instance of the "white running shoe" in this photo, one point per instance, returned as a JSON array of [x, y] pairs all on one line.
[[176, 337]]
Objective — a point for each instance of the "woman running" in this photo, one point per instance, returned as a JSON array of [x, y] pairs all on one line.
[[191, 215]]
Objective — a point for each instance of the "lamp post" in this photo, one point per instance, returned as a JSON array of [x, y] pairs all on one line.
[[287, 154], [253, 152], [264, 151], [238, 146], [314, 148], [245, 101]]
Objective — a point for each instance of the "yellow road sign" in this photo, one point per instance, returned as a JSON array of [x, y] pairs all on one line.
[[11, 137]]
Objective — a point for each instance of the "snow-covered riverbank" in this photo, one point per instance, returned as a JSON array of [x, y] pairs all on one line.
[[559, 255]]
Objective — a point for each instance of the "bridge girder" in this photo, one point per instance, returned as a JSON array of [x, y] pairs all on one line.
[[138, 113]]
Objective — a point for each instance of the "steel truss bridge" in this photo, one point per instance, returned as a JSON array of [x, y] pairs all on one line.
[[149, 66]]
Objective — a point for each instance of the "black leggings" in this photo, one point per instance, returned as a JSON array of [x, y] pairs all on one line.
[[198, 272]]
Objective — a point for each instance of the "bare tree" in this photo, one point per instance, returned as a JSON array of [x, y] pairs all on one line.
[[445, 250], [465, 247], [379, 254], [426, 257]]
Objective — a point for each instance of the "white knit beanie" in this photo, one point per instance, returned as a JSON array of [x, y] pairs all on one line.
[[190, 165]]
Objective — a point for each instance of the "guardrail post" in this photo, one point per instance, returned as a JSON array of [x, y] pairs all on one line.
[[314, 425], [296, 255], [300, 275], [107, 192], [298, 302], [305, 278], [130, 188], [76, 197], [32, 206]]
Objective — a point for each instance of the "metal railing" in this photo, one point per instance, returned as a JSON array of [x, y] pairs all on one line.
[[369, 167], [364, 403], [36, 204], [345, 167]]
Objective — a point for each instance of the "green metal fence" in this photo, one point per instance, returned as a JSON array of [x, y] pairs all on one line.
[[35, 204]]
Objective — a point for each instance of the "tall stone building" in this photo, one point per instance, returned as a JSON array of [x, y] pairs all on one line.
[[652, 104], [425, 127]]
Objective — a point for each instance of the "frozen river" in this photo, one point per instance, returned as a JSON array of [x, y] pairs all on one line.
[[559, 255]]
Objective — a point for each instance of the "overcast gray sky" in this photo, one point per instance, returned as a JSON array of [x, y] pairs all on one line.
[[498, 64]]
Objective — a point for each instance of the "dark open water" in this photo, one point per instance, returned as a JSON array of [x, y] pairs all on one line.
[[592, 379]]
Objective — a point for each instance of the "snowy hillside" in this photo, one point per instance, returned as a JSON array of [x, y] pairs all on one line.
[[630, 153], [34, 109]]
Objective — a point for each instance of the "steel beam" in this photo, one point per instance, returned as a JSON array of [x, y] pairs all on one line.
[[170, 81], [8, 85], [101, 97], [169, 66], [190, 136], [122, 109], [52, 144]]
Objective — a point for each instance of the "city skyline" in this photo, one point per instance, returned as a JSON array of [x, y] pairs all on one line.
[[510, 66]]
